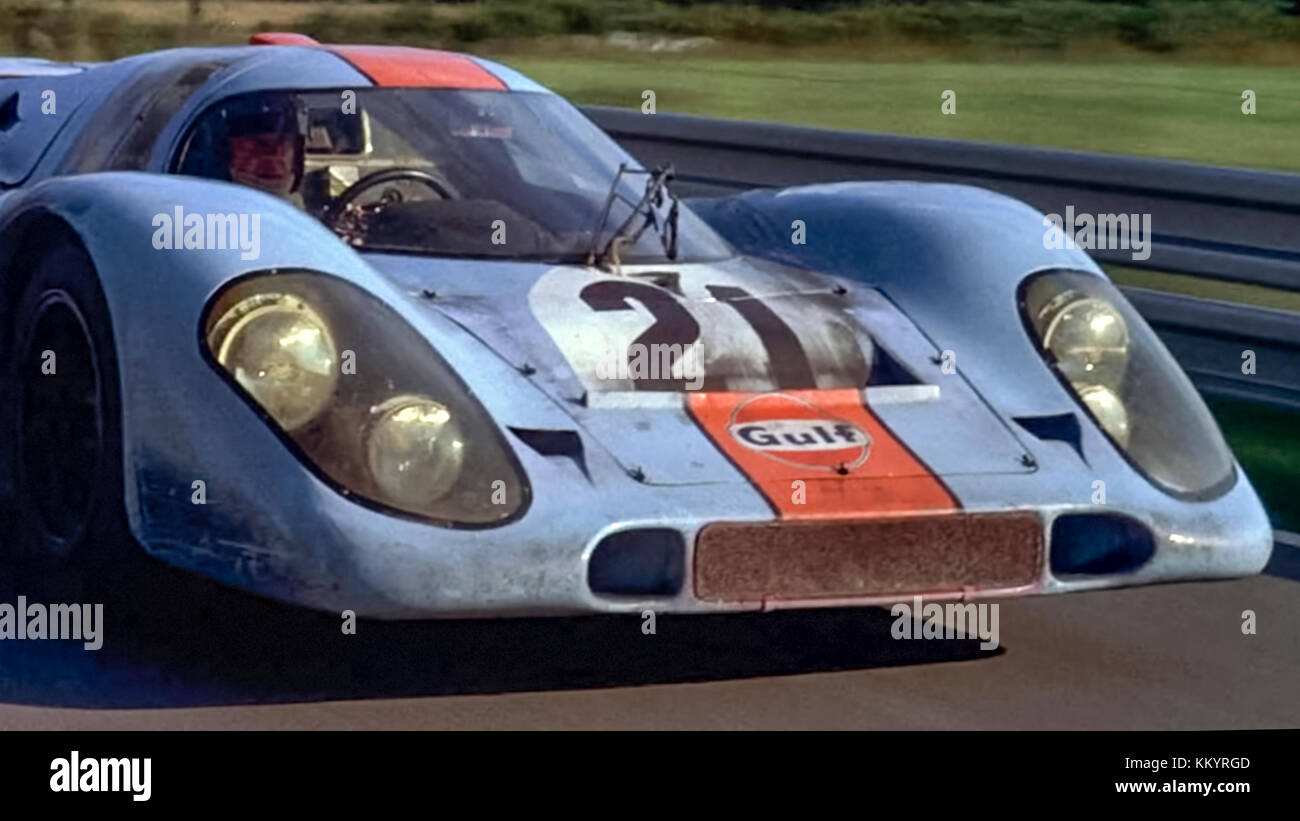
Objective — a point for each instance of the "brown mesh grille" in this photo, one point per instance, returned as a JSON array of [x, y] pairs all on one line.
[[806, 559]]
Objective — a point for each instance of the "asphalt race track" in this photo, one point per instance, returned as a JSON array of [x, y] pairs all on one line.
[[185, 653]]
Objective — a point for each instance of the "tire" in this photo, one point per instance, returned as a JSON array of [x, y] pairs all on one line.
[[69, 535]]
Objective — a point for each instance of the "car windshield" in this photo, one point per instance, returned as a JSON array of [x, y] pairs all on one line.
[[516, 175]]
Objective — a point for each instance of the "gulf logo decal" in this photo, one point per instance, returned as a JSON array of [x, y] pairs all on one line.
[[794, 431], [852, 466]]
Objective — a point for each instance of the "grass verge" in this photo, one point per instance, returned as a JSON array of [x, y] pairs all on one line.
[[1267, 443]]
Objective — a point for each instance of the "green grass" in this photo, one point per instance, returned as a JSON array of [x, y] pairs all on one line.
[[1255, 31], [1206, 288], [1267, 443], [1177, 111], [1161, 78]]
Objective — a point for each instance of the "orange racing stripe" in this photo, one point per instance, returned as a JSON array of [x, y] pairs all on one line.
[[418, 67], [851, 465]]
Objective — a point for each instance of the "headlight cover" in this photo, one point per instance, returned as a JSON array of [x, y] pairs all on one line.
[[362, 399], [280, 351], [1128, 382]]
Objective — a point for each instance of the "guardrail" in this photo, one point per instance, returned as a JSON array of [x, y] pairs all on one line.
[[1220, 223]]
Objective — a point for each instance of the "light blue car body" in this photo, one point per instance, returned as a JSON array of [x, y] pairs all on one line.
[[929, 268]]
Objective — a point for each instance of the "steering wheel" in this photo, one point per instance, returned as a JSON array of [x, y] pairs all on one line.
[[341, 204]]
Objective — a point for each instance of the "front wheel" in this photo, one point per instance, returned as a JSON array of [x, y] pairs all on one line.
[[65, 419]]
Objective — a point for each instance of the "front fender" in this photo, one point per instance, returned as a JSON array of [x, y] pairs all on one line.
[[181, 422], [950, 256]]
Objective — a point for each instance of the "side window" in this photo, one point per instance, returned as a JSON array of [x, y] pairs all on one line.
[[148, 104]]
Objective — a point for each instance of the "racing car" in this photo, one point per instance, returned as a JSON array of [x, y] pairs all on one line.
[[400, 331]]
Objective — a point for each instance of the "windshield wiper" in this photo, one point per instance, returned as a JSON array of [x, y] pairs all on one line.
[[655, 188]]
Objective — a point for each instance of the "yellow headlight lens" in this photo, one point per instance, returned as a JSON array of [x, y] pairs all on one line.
[[415, 450], [1109, 411], [1088, 338], [350, 385], [1118, 369], [280, 351]]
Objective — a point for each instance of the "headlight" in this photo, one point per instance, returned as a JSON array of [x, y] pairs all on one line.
[[414, 449], [1088, 338], [1108, 409], [1127, 381], [280, 351], [362, 398]]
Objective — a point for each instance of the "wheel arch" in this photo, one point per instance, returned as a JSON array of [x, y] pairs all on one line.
[[23, 239]]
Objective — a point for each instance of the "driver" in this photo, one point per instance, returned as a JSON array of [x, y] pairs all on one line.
[[265, 144]]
